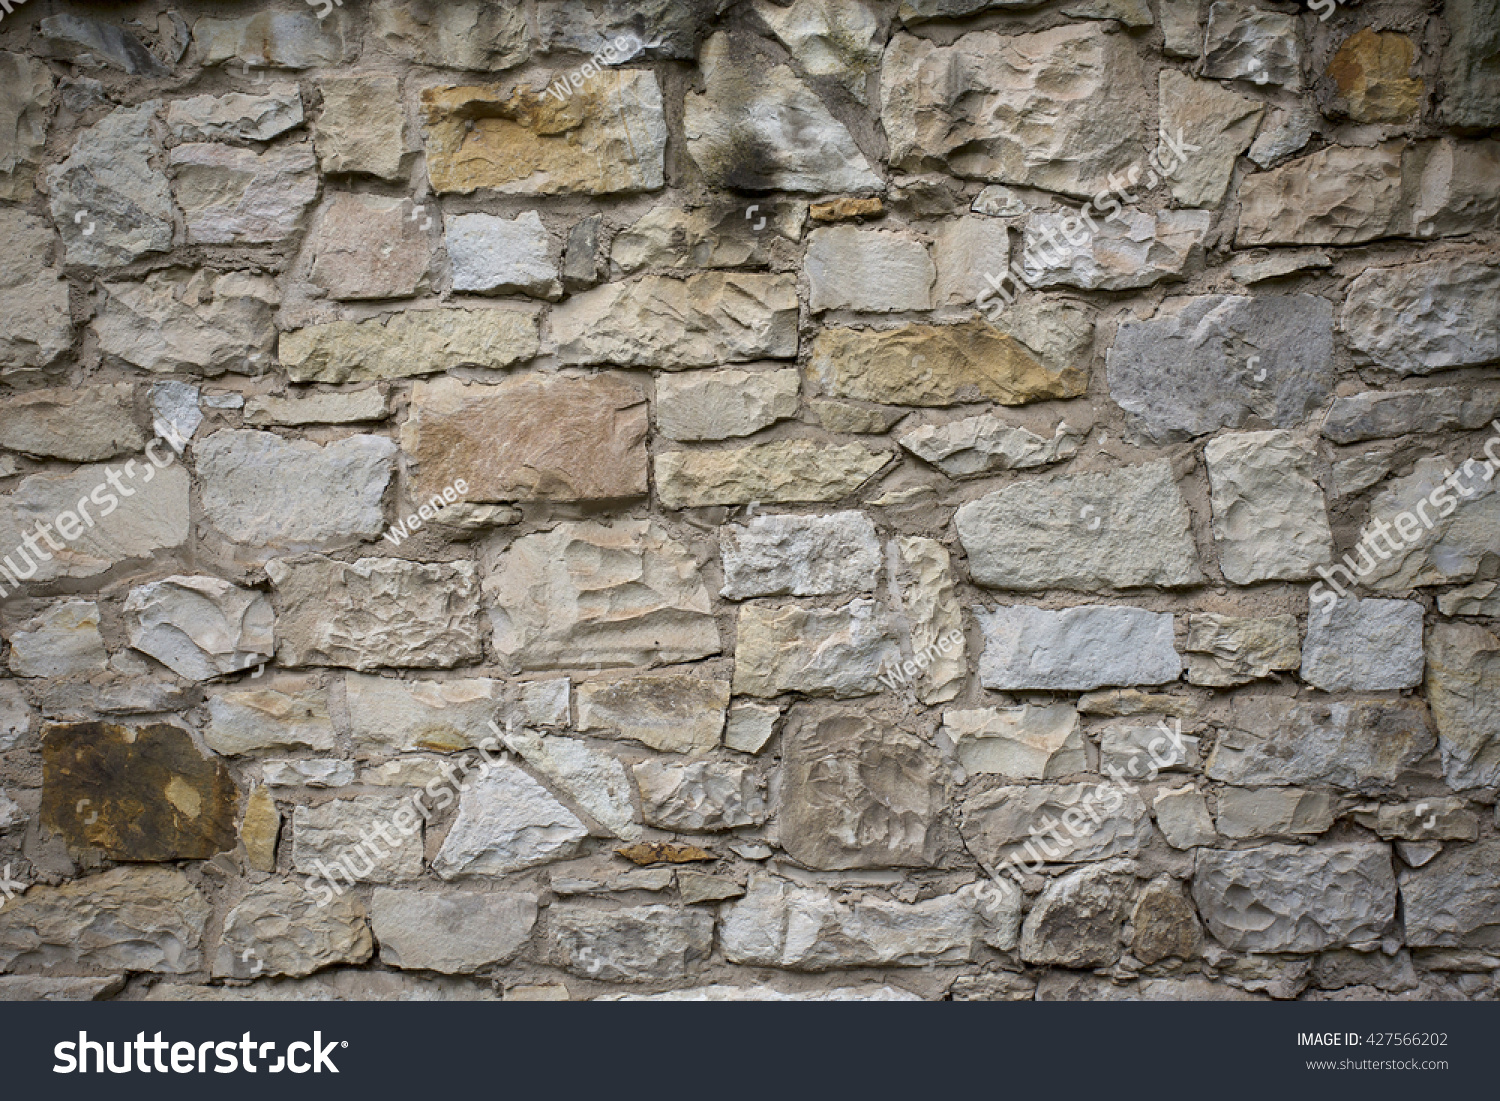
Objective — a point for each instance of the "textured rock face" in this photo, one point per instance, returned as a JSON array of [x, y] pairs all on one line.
[[933, 619], [27, 84], [417, 343], [1376, 416], [367, 247], [39, 328], [1079, 921], [507, 821], [1370, 71], [198, 325], [1165, 924], [81, 426], [62, 641], [1463, 663], [1019, 743], [716, 405], [673, 712], [342, 834], [266, 40], [631, 944], [287, 717], [237, 116], [496, 255], [280, 929], [1249, 44], [455, 932], [1000, 825], [1270, 520], [1273, 812], [699, 796], [200, 627], [1220, 121], [1131, 250], [1424, 317], [452, 34], [1229, 650], [782, 472], [817, 651], [708, 237], [800, 556], [1449, 903], [1287, 898], [1336, 196], [1076, 649], [839, 258], [1363, 645], [233, 196], [363, 125], [593, 780], [1470, 64], [392, 715]]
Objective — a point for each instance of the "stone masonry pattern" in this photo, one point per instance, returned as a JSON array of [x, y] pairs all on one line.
[[744, 499]]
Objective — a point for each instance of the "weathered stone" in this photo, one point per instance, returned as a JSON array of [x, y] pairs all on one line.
[[1360, 745], [1421, 318], [950, 364], [36, 988], [198, 323], [1000, 108], [1079, 920], [816, 651], [318, 407], [695, 887], [127, 919], [308, 774], [1000, 825], [93, 43], [320, 494], [998, 202], [838, 262], [1019, 743], [1181, 28], [668, 236], [363, 125], [757, 127], [634, 944], [452, 34], [1270, 519], [965, 250], [858, 795], [131, 694], [1264, 266], [1217, 120], [237, 116], [1186, 372], [1370, 72], [1471, 62], [1244, 43], [716, 405], [605, 137], [1432, 549], [1284, 132], [496, 255], [811, 929], [260, 830], [455, 932], [1290, 898], [135, 793], [1376, 415], [273, 40], [1476, 599], [1450, 903], [848, 417], [1363, 645], [1463, 687], [38, 328], [535, 437], [507, 821], [984, 444], [1274, 812], [1141, 748], [62, 641], [25, 94], [1116, 529], [414, 342], [1355, 475], [177, 412], [1448, 187], [1075, 649], [292, 716], [1076, 986], [200, 627], [544, 702], [1164, 922], [781, 472], [636, 28], [1131, 249], [800, 555], [280, 928], [16, 716], [359, 829], [750, 726], [1445, 819], [701, 321], [596, 782], [1182, 817], [699, 795], [374, 612], [394, 716], [1336, 196], [581, 267], [929, 609], [829, 40], [233, 196], [587, 593], [366, 246], [1239, 649], [672, 712]]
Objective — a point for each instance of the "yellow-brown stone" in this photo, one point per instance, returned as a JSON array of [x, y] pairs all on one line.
[[1372, 71], [844, 210], [259, 830]]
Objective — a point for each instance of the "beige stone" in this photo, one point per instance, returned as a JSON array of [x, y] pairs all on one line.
[[715, 405], [259, 830], [782, 472], [1019, 743], [367, 246], [816, 651], [233, 196], [1336, 196], [452, 34], [317, 407], [396, 716], [929, 607], [415, 342], [363, 125], [1208, 115], [293, 715], [193, 323], [25, 93], [79, 424], [672, 712], [38, 327]]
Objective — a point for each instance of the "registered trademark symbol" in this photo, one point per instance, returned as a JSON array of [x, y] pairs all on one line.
[[343, 1043]]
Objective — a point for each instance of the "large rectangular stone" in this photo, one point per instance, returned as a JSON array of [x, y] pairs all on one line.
[[413, 342], [80, 424], [816, 651], [672, 712], [1450, 903], [1075, 649], [1006, 824], [1419, 318], [390, 716], [779, 472]]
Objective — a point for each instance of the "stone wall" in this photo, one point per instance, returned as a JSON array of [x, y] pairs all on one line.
[[580, 499]]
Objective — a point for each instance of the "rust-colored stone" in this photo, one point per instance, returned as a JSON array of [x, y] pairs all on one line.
[[845, 210], [664, 852], [1372, 72]]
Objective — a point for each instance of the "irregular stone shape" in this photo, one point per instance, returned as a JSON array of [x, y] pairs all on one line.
[[1239, 649], [260, 829], [702, 321], [1463, 686], [1336, 196], [998, 202], [1291, 898], [367, 246], [636, 28], [125, 204], [38, 326], [1375, 415], [127, 919], [1363, 645], [16, 714], [1270, 519], [1133, 13], [694, 888], [843, 416], [27, 988], [750, 726], [544, 702], [310, 774], [757, 127], [1116, 529], [1210, 361], [699, 795], [781, 472], [25, 94], [965, 250], [393, 716], [1131, 249], [950, 364], [1450, 903], [135, 793], [1217, 120], [816, 651], [1286, 131], [1421, 318], [1453, 549], [858, 795], [668, 236], [1471, 63], [359, 829], [452, 34], [1075, 649], [811, 929], [596, 782], [1001, 108], [1448, 187], [455, 932], [716, 405], [177, 412], [1371, 71], [1476, 599], [1182, 817], [1275, 265], [200, 627], [984, 444], [539, 437], [413, 342], [1165, 924], [1274, 812], [237, 116], [800, 555], [363, 125], [507, 821], [930, 612], [374, 612], [200, 323], [607, 137], [840, 258], [1019, 743], [593, 594], [281, 928], [672, 712], [273, 40], [1064, 986], [1001, 824], [1244, 43], [1079, 920], [1141, 749], [493, 255], [1361, 745], [92, 44], [632, 944], [152, 516], [318, 407], [581, 267], [235, 196], [62, 641], [292, 716], [829, 39], [320, 494]]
